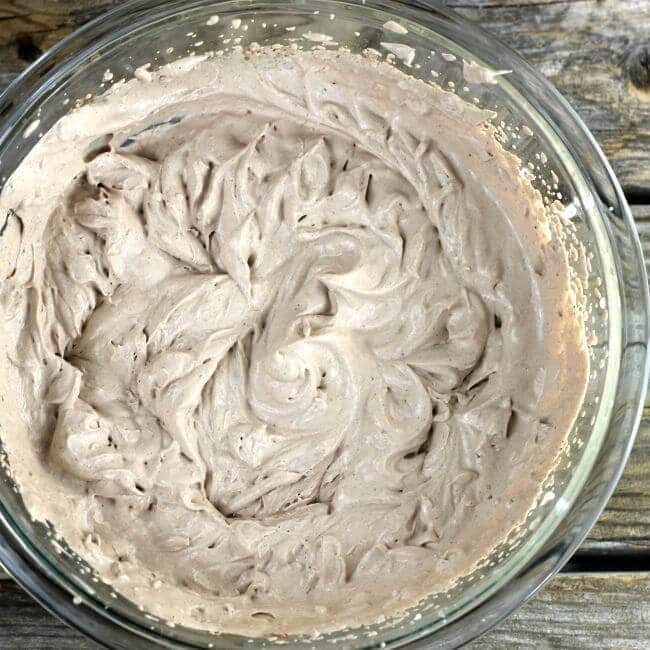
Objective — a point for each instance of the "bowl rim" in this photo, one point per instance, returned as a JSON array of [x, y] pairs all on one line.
[[63, 599]]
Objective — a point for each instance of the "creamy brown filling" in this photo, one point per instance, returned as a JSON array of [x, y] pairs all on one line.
[[293, 343]]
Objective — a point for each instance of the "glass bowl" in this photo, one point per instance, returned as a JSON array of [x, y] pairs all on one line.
[[568, 167]]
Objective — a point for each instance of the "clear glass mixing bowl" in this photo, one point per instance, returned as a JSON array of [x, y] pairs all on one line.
[[568, 166]]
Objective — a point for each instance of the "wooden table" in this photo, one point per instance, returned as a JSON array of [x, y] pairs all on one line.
[[597, 52]]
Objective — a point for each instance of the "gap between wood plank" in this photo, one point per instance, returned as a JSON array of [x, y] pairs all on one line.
[[608, 560], [637, 197]]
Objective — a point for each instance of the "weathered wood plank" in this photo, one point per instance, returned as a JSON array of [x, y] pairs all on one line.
[[588, 611], [595, 51], [624, 525], [30, 27], [592, 50], [25, 625]]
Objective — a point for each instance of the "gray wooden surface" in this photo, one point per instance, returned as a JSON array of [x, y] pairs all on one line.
[[597, 52]]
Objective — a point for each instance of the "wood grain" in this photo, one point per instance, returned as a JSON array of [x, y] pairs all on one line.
[[595, 51], [30, 27], [624, 526], [590, 49], [604, 610], [25, 625], [580, 611]]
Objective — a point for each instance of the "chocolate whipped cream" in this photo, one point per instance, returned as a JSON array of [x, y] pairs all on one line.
[[289, 339]]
